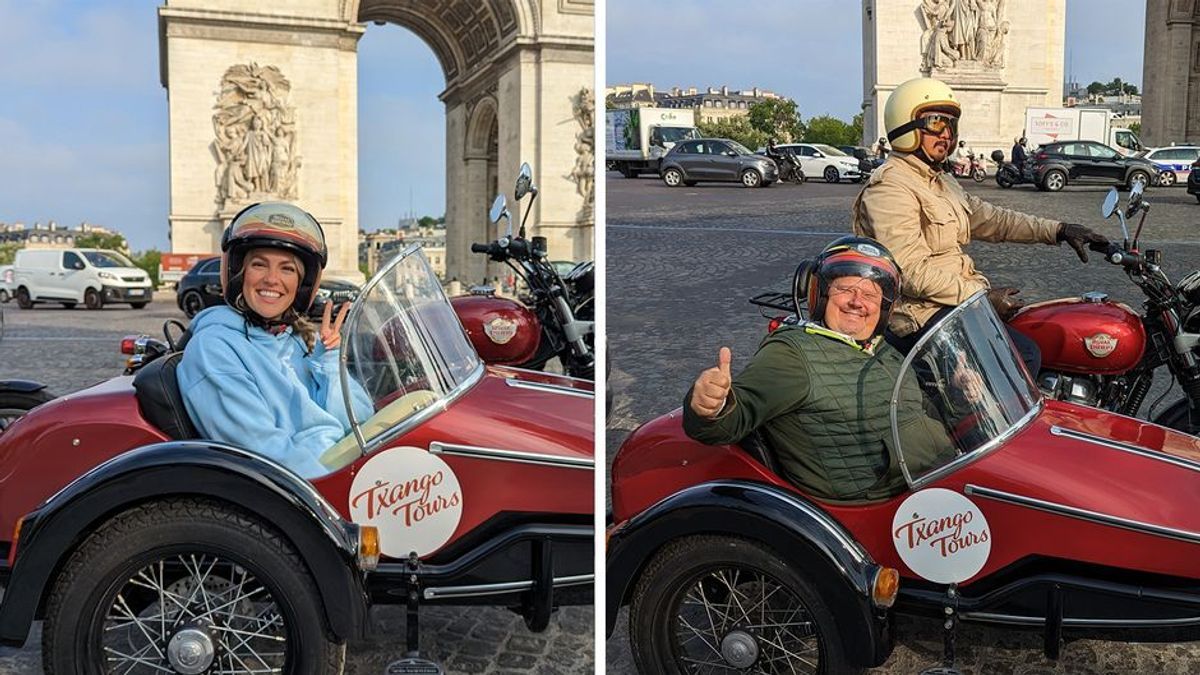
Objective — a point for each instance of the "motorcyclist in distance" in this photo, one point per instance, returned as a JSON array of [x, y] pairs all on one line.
[[1018, 152]]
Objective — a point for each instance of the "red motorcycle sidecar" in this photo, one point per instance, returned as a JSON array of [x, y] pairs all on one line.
[[465, 484], [1068, 519]]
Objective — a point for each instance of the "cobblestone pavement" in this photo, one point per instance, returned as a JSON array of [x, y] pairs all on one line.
[[682, 262], [69, 350]]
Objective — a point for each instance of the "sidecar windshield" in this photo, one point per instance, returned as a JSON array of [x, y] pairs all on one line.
[[971, 382], [404, 347]]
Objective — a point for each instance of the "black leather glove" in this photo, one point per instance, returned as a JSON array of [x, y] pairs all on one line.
[[1081, 239], [1005, 301]]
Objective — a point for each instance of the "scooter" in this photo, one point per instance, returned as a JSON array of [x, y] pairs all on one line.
[[1008, 174], [789, 167], [973, 169], [554, 317]]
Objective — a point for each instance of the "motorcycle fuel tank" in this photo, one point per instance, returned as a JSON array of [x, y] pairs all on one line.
[[1084, 335], [503, 331]]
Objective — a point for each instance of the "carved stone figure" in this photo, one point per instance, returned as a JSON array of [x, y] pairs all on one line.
[[963, 33], [255, 129], [584, 172]]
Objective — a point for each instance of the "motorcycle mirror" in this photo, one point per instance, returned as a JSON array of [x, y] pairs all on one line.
[[1110, 203], [499, 209], [524, 182], [1135, 192]]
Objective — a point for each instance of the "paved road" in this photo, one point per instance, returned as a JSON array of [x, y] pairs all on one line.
[[682, 262], [72, 349]]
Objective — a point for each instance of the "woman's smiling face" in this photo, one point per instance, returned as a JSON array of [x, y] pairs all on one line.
[[270, 280]]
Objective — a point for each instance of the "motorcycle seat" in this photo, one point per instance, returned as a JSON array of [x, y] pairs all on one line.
[[158, 395], [757, 446]]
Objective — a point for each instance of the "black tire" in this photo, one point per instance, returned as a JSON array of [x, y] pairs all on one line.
[[979, 175], [1138, 176], [1054, 180], [1176, 417], [191, 303], [1198, 199], [138, 305], [1167, 178], [92, 299], [672, 177], [14, 404], [751, 178], [663, 591], [69, 305], [628, 171], [690, 183], [1006, 178], [23, 299], [154, 542], [830, 174]]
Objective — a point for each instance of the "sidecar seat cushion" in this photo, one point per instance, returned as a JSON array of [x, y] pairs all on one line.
[[159, 398], [757, 446]]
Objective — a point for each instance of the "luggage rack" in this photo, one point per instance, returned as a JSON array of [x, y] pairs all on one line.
[[775, 300]]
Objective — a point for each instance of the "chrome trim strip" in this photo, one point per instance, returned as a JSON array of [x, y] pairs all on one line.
[[1084, 514], [1126, 447], [439, 448], [542, 372], [478, 590], [1017, 620], [552, 388]]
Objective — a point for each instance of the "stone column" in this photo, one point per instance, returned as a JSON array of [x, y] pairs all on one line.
[[1169, 91]]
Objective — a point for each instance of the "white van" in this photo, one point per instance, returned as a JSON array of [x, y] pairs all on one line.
[[73, 275]]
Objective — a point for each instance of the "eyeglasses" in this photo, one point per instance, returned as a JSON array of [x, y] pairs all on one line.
[[868, 294], [936, 123]]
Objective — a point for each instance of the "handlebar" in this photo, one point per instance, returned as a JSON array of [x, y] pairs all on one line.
[[480, 248], [504, 248]]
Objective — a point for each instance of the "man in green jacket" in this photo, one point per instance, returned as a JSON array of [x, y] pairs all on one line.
[[820, 391]]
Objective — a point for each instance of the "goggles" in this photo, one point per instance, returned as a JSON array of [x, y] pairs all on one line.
[[932, 123]]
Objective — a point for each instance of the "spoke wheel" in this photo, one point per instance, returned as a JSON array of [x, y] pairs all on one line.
[[92, 299], [1139, 178], [1166, 178], [831, 174], [1054, 181], [14, 404], [751, 178], [721, 605], [187, 586], [672, 177], [192, 303]]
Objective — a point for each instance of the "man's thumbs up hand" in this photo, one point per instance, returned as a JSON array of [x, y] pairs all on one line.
[[712, 387]]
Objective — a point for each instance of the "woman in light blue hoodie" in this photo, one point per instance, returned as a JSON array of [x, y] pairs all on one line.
[[256, 373]]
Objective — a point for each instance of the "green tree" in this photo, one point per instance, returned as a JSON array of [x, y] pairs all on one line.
[[8, 252], [777, 118], [111, 242], [427, 221], [734, 128], [149, 261], [856, 128], [832, 131], [1096, 88], [1136, 128]]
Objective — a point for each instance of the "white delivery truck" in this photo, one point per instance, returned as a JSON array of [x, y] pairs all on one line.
[[637, 138], [1051, 125]]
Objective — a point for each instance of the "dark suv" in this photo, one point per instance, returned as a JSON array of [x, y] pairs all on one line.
[[200, 288], [1053, 165], [1193, 185]]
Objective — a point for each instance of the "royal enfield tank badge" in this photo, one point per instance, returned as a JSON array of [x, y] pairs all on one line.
[[500, 330], [1100, 345], [941, 535], [412, 496]]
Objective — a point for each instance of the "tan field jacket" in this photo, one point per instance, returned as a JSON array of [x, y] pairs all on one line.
[[925, 218]]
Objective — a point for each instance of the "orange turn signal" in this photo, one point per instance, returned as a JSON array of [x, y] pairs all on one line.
[[886, 586], [368, 547]]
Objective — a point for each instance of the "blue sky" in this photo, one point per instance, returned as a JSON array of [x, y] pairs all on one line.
[[83, 126], [811, 50]]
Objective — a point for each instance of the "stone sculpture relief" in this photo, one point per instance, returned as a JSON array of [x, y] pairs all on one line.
[[963, 33], [584, 173], [255, 129]]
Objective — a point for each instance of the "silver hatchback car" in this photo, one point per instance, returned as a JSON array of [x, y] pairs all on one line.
[[716, 159]]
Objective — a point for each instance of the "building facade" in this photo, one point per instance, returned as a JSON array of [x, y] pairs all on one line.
[[1171, 73]]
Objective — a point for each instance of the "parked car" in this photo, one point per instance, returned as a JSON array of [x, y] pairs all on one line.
[[716, 159], [826, 161], [6, 283], [200, 289], [1193, 180], [1054, 165], [70, 276], [1174, 163]]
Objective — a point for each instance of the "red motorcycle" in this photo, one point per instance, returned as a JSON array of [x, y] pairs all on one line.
[[147, 549], [972, 169], [1027, 512], [555, 317], [1104, 354]]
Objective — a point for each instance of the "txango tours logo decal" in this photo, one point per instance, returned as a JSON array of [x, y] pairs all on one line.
[[941, 535], [412, 496]]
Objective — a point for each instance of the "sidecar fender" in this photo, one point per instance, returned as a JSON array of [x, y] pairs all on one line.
[[327, 544], [797, 529]]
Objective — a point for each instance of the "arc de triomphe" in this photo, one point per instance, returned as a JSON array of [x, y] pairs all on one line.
[[263, 105]]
